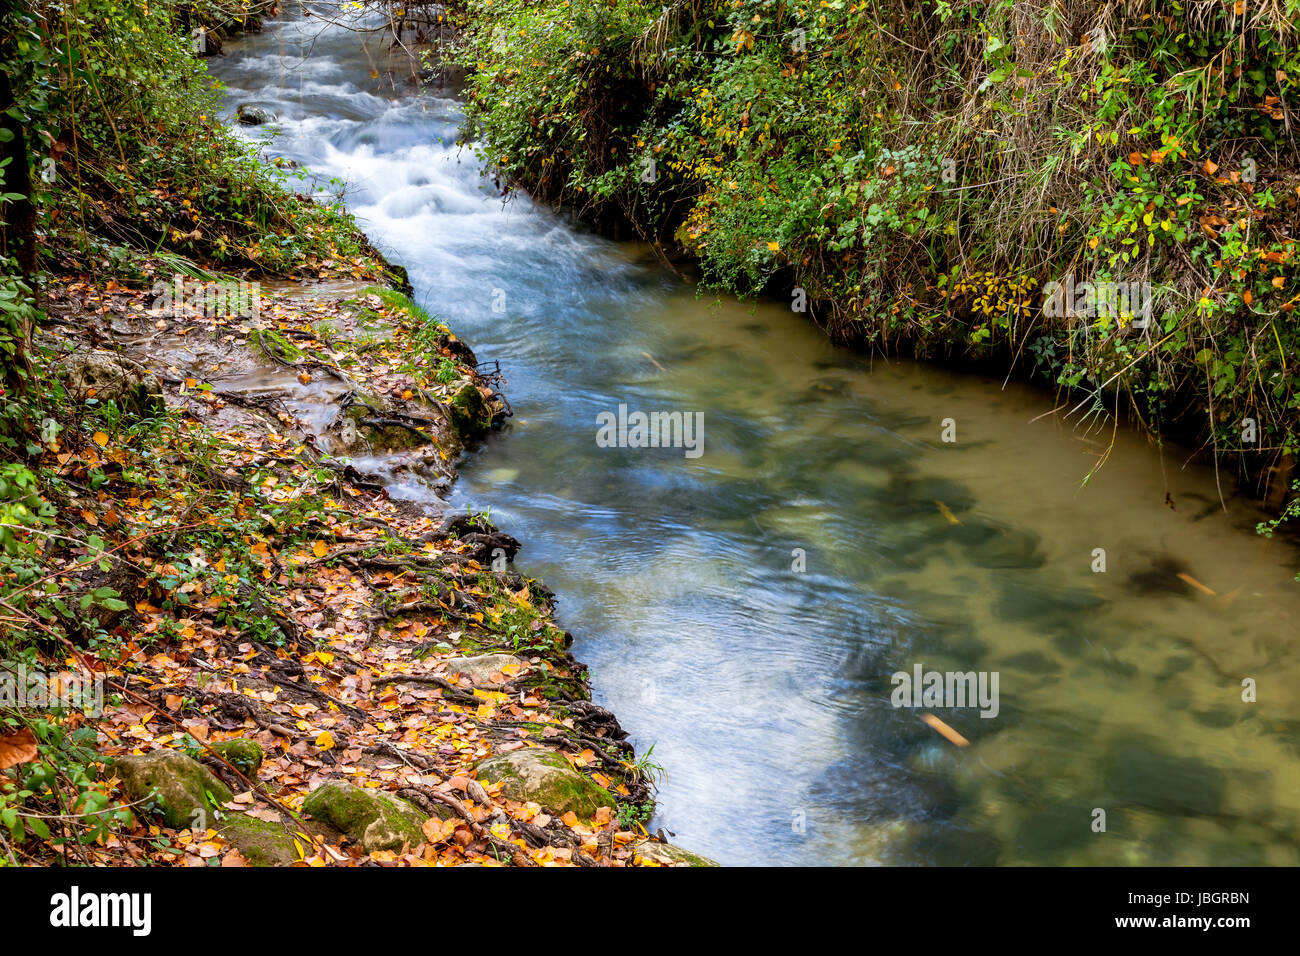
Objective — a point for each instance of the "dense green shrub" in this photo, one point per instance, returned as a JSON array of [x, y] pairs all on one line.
[[921, 172], [128, 151]]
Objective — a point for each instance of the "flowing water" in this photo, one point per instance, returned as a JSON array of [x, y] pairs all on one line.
[[743, 610]]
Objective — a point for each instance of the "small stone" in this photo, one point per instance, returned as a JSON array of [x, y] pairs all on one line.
[[260, 842], [666, 854], [250, 115]]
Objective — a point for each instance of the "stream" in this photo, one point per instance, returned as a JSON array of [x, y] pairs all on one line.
[[743, 610]]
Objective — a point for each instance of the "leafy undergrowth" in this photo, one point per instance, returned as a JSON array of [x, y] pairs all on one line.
[[916, 176], [130, 151], [228, 571]]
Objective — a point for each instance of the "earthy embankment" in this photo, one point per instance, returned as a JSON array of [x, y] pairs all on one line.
[[296, 667]]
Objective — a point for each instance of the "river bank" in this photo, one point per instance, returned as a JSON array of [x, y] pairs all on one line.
[[297, 668], [224, 642]]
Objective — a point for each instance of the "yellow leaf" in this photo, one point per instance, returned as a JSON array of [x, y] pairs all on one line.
[[101, 439], [320, 549], [947, 512]]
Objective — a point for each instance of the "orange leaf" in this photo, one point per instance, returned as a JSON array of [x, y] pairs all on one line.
[[17, 748], [438, 831]]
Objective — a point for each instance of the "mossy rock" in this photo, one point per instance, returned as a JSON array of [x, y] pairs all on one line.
[[470, 414], [244, 754], [392, 438], [545, 777], [266, 843], [275, 345], [178, 788], [376, 820], [665, 854], [261, 842]]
